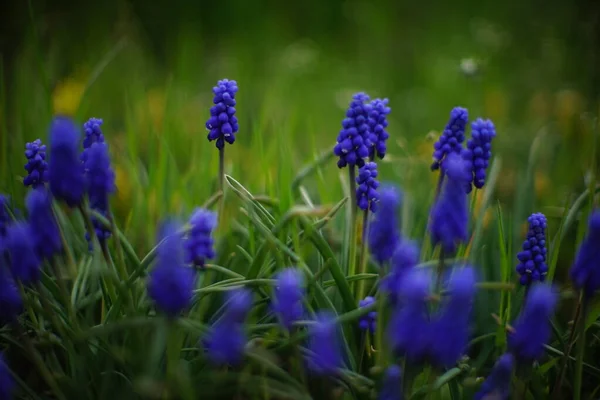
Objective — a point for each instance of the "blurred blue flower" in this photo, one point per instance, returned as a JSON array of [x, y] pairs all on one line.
[[288, 295], [5, 218], [65, 171], [497, 384], [355, 138], [199, 245], [324, 356], [450, 214], [404, 259], [451, 139], [7, 383], [532, 328], [366, 191], [408, 330], [585, 272], [453, 319], [479, 151], [384, 234], [377, 123], [532, 260], [101, 184], [45, 233], [368, 321], [223, 123], [24, 261], [36, 167], [391, 386], [170, 283], [93, 134], [11, 303], [238, 304]]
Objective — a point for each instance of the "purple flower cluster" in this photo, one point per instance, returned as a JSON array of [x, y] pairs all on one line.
[[451, 139], [36, 167], [354, 140], [384, 235], [368, 321], [199, 245], [585, 272], [100, 184], [44, 230], [24, 260], [93, 134], [497, 384], [377, 123], [288, 296], [479, 151], [532, 260], [324, 357], [223, 124], [404, 259], [367, 197], [11, 303], [391, 387]]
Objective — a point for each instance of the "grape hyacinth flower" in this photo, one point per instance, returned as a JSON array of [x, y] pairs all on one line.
[[4, 216], [585, 272], [366, 191], [354, 140], [36, 167], [65, 171], [532, 328], [7, 383], [368, 321], [324, 353], [101, 184], [532, 260], [377, 124], [405, 257], [497, 384], [223, 124], [408, 330], [24, 261], [453, 319], [170, 283], [288, 296], [391, 387], [45, 233], [11, 303], [449, 215], [479, 151], [451, 139], [384, 235], [199, 245], [93, 134]]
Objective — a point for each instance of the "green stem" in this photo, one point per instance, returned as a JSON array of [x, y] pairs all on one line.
[[66, 248], [363, 253], [353, 207], [221, 180], [122, 270], [173, 349], [379, 327], [569, 348], [580, 350]]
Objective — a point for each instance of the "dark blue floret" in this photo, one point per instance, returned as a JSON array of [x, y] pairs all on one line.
[[45, 233], [93, 134], [497, 384], [532, 328], [479, 151], [36, 167], [532, 260], [404, 259], [324, 357], [391, 387], [288, 296], [451, 139], [368, 321], [24, 261], [383, 229], [199, 245], [223, 124], [355, 138], [7, 383], [170, 283], [450, 214], [366, 191], [11, 303], [377, 124], [585, 272], [65, 171]]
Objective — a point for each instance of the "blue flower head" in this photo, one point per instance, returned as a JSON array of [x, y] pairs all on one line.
[[288, 295], [384, 234], [170, 283], [223, 124], [532, 328], [453, 319], [101, 184], [450, 141], [366, 191], [239, 304], [93, 134], [479, 151], [404, 259], [532, 260], [377, 124], [4, 216], [497, 384], [36, 167], [585, 272], [355, 138], [324, 352], [199, 245], [408, 330], [45, 233], [391, 386], [368, 321], [450, 215], [11, 303], [24, 261], [7, 383], [65, 171]]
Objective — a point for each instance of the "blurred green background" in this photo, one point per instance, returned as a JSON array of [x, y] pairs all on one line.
[[147, 68]]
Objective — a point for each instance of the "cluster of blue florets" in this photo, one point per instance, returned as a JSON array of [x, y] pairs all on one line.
[[354, 140], [37, 166], [479, 151], [366, 191], [223, 124], [451, 139], [532, 260]]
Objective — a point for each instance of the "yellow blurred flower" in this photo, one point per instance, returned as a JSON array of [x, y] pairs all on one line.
[[67, 96], [542, 183], [123, 184]]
